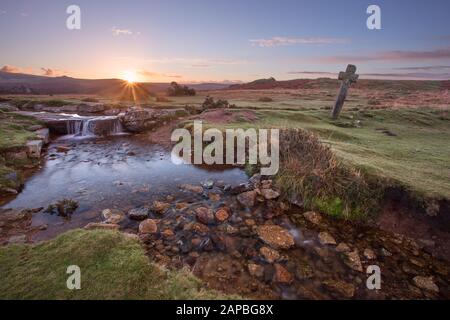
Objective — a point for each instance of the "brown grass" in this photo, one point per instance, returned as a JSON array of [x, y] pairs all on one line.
[[311, 173]]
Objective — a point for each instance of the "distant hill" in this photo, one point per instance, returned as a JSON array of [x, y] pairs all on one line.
[[19, 83], [327, 83]]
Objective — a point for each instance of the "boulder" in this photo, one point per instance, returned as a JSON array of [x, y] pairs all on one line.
[[148, 226], [139, 120], [43, 134], [247, 199], [204, 215], [113, 216], [269, 194], [34, 148], [222, 215], [275, 236]]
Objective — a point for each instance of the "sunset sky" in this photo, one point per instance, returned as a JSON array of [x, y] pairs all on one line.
[[231, 40]]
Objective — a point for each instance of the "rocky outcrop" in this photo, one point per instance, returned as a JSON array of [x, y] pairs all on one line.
[[138, 120]]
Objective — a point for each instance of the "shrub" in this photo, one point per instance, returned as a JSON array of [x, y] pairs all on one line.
[[176, 90], [310, 172], [209, 103]]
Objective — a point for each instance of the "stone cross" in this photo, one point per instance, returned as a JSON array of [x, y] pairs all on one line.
[[348, 77]]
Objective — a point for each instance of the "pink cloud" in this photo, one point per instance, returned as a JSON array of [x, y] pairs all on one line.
[[394, 55], [287, 41]]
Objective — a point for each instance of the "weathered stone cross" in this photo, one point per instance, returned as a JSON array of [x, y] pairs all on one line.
[[348, 77]]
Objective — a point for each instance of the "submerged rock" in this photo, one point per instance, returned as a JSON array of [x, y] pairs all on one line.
[[269, 255], [343, 247], [192, 188], [353, 261], [160, 207], [138, 213], [370, 254], [426, 283], [313, 217], [281, 275], [340, 287], [275, 236], [255, 270], [222, 215], [148, 226], [326, 239], [204, 215]]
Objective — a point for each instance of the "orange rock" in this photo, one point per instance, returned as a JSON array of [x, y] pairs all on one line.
[[281, 275]]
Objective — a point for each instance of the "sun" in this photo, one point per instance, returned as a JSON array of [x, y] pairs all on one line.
[[129, 76]]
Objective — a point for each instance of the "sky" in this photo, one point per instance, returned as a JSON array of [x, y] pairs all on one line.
[[232, 40]]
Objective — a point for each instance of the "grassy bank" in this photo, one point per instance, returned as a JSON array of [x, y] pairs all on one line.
[[392, 147], [112, 267], [14, 134]]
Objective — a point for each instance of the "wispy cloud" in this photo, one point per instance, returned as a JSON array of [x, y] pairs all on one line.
[[425, 68], [394, 55], [391, 75], [408, 76], [10, 69], [151, 74], [187, 62], [119, 32], [286, 41], [2, 12]]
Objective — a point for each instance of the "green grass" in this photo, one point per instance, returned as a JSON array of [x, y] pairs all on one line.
[[112, 267], [13, 130], [417, 157]]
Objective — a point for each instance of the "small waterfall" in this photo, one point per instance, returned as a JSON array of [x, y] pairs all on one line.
[[90, 127]]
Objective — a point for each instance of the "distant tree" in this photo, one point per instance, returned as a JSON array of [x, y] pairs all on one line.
[[176, 90]]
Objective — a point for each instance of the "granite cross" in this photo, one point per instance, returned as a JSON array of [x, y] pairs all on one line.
[[348, 77]]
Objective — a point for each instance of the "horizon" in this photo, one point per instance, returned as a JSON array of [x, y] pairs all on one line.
[[225, 43]]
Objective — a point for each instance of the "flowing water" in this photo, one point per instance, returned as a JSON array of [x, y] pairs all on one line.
[[121, 172]]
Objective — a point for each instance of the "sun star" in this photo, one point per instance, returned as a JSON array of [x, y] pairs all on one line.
[[129, 76]]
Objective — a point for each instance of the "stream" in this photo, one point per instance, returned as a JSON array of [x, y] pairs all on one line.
[[123, 172]]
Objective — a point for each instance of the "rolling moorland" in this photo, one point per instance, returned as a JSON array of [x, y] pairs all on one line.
[[380, 170]]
